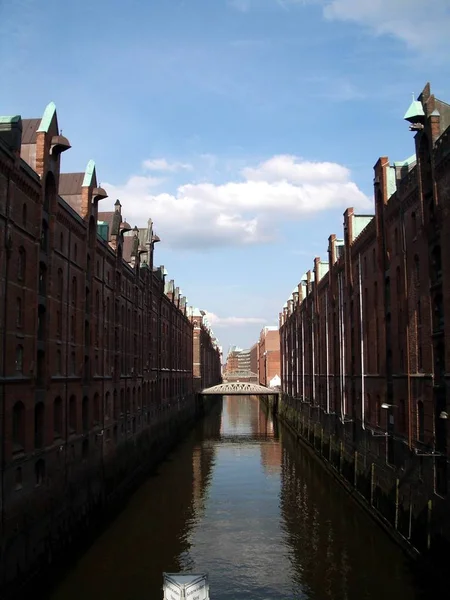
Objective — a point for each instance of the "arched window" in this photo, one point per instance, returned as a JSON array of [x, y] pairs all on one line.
[[39, 471], [436, 263], [420, 421], [19, 359], [24, 215], [134, 400], [19, 312], [107, 406], [44, 236], [115, 405], [58, 418], [85, 414], [72, 414], [61, 241], [39, 412], [413, 225], [41, 331], [21, 264], [122, 402], [438, 312], [74, 291], [42, 279], [18, 426], [75, 253], [59, 284], [128, 401], [59, 362], [96, 409]]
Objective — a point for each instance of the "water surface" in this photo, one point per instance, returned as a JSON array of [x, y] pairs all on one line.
[[241, 500]]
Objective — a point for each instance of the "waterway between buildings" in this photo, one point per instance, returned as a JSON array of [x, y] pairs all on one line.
[[242, 500]]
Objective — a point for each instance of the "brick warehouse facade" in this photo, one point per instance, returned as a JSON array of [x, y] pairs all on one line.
[[207, 369], [365, 359], [96, 351]]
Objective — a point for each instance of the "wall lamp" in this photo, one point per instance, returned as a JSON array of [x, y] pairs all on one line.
[[385, 405]]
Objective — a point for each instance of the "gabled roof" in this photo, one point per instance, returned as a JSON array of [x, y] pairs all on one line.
[[29, 129], [70, 184]]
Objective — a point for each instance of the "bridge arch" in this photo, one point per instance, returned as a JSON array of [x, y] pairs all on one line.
[[239, 389]]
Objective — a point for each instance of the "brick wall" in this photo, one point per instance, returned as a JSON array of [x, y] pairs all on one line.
[[94, 356], [369, 328]]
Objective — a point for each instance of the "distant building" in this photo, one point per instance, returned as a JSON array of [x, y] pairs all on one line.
[[269, 355], [254, 358]]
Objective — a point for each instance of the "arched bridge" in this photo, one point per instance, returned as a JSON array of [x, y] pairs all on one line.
[[238, 389]]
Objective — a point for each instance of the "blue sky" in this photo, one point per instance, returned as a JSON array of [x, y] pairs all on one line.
[[244, 128]]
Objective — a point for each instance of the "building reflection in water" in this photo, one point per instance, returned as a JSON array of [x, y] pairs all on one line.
[[336, 550], [152, 533], [241, 500]]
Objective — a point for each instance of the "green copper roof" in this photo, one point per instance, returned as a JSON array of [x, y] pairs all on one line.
[[415, 110], [7, 120], [89, 173], [406, 163], [47, 117]]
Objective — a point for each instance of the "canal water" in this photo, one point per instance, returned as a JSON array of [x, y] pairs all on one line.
[[241, 500]]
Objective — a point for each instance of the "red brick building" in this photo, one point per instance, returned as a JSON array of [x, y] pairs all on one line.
[[363, 338], [269, 355], [207, 357], [96, 354]]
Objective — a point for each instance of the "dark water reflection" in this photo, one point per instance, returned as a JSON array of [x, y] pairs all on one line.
[[242, 501]]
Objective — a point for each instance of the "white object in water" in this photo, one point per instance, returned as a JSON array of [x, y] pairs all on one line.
[[186, 586]]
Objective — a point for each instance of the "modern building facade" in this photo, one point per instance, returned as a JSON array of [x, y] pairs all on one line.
[[254, 358], [364, 337], [96, 349]]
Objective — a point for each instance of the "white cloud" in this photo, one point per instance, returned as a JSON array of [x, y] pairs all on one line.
[[163, 166], [216, 321], [248, 211], [422, 25]]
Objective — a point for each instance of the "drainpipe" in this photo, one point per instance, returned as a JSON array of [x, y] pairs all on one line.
[[361, 321]]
